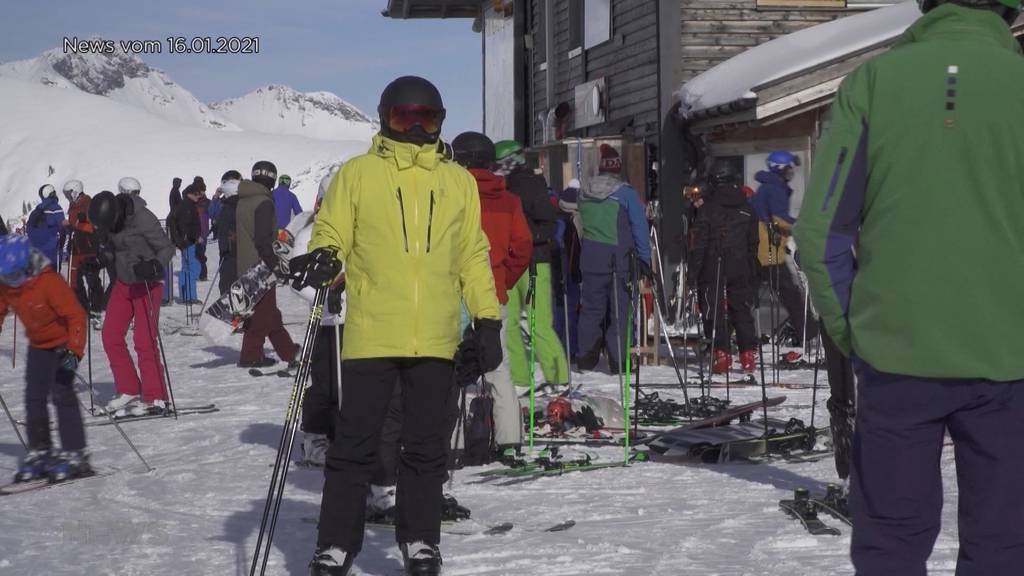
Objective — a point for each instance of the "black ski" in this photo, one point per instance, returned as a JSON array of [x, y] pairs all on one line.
[[801, 508], [182, 411], [15, 488], [257, 373]]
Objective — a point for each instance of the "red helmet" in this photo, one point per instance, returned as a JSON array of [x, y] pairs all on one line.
[[559, 410]]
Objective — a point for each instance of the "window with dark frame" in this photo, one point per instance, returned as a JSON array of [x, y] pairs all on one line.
[[575, 25]]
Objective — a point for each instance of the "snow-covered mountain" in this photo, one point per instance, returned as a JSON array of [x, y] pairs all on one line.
[[281, 110], [49, 135], [121, 77]]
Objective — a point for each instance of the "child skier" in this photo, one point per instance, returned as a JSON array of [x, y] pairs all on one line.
[[55, 326]]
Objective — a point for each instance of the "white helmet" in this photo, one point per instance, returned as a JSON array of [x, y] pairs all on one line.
[[47, 190], [72, 189], [129, 185]]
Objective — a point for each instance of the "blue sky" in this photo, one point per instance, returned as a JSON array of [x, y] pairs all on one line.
[[344, 46]]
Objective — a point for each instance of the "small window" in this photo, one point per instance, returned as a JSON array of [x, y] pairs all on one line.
[[597, 22], [575, 25]]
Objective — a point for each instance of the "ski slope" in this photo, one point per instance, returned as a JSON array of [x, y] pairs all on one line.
[[198, 512]]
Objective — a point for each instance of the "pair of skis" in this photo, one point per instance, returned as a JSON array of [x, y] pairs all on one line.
[[806, 508], [467, 527]]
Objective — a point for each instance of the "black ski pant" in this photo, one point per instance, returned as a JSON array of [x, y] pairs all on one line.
[[354, 457], [735, 305], [782, 281], [46, 381], [89, 289], [841, 402], [896, 494]]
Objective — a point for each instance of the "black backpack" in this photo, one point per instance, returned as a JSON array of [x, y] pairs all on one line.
[[479, 442]]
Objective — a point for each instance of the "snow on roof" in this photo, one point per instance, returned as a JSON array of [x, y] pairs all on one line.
[[736, 78]]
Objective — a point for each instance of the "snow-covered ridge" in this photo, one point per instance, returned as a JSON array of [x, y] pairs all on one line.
[[121, 77], [282, 110]]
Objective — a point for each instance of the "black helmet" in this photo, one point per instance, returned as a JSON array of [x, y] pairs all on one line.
[[264, 172], [474, 150], [723, 171], [231, 175], [107, 212], [411, 111]]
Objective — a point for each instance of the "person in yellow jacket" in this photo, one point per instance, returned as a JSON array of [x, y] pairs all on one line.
[[405, 220]]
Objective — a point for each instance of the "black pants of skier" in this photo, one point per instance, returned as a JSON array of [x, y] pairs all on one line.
[[353, 458], [89, 289], [841, 402], [896, 494], [735, 309], [782, 280], [46, 381], [320, 402]]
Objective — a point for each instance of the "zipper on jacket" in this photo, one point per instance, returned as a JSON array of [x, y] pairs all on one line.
[[430, 219], [401, 209], [835, 177]]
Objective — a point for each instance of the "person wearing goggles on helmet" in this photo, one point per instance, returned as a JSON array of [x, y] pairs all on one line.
[[55, 326], [406, 222], [910, 234]]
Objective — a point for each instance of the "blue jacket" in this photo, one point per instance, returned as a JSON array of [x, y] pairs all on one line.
[[613, 223], [44, 223], [772, 197], [286, 205]]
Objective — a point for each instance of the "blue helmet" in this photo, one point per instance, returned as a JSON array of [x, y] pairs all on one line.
[[14, 253], [781, 159]]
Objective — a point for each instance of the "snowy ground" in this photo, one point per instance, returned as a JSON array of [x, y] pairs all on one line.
[[198, 512]]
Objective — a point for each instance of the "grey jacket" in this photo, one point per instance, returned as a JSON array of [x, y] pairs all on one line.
[[141, 239], [255, 227]]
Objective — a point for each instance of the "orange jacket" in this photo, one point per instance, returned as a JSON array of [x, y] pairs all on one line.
[[80, 227], [507, 231], [48, 309]]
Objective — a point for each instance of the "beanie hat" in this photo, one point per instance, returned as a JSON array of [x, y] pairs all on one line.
[[199, 184], [568, 199], [610, 161]]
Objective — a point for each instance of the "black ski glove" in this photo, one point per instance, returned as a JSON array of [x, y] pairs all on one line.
[[646, 272], [334, 296], [467, 359], [316, 268], [488, 336], [148, 271]]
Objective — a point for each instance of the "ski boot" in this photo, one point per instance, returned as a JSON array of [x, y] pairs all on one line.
[[330, 561], [722, 362], [421, 559], [68, 465], [748, 361], [512, 457], [314, 449], [33, 466], [452, 511], [119, 402]]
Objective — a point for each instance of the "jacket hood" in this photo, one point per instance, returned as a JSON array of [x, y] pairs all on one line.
[[407, 155], [248, 188], [955, 21], [490, 184], [602, 186], [769, 177], [136, 204]]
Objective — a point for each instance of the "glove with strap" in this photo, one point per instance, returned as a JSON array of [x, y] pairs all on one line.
[[317, 268], [479, 352], [68, 359]]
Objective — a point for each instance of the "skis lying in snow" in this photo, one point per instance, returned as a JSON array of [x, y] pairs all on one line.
[[544, 467], [467, 527], [805, 510], [283, 373], [182, 411], [44, 483]]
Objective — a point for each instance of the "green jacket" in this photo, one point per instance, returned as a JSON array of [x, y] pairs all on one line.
[[912, 228], [406, 222]]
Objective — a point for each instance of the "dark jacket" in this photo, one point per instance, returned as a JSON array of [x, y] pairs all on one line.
[[227, 242], [175, 197], [256, 227], [541, 214], [772, 197], [141, 240], [186, 222], [726, 226], [44, 224]]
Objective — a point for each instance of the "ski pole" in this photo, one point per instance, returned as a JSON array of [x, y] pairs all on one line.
[[14, 423], [619, 346], [565, 313], [337, 359], [154, 329], [531, 299], [14, 343], [627, 372], [88, 348], [714, 315], [658, 303], [117, 427], [278, 477]]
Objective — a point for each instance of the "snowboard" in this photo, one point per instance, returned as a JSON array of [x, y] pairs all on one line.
[[225, 317], [803, 509]]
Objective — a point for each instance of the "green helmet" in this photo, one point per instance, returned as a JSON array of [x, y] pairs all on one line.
[[507, 148], [284, 180]]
